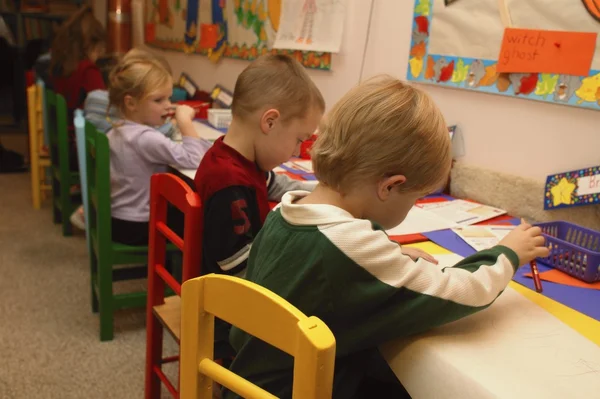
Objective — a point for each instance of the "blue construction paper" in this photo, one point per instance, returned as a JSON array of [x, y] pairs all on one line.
[[440, 196], [583, 300], [295, 171], [451, 241]]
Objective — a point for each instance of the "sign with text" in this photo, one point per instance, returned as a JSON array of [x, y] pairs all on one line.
[[577, 187], [546, 51]]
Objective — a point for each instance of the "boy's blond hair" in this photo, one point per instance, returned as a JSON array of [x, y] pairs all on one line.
[[138, 74], [380, 128], [275, 81]]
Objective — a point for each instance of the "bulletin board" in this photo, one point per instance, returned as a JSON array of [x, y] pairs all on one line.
[[246, 29], [456, 43]]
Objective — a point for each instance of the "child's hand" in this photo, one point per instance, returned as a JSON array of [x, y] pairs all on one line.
[[184, 113], [527, 242], [416, 253]]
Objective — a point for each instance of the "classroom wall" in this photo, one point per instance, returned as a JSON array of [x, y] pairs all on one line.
[[345, 72], [510, 135]]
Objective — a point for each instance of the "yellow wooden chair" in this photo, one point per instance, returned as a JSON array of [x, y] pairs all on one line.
[[39, 157], [264, 315]]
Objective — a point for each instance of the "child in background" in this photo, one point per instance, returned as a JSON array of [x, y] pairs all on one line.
[[96, 108], [140, 89], [275, 107], [78, 43], [384, 145]]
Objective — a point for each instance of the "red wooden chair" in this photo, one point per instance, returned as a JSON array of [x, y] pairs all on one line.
[[164, 311]]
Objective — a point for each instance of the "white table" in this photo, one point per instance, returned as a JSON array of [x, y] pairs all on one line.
[[206, 132], [514, 349]]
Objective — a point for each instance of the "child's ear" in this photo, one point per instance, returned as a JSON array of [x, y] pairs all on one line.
[[387, 184], [269, 119], [130, 103]]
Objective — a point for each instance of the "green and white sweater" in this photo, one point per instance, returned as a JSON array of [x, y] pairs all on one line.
[[349, 274]]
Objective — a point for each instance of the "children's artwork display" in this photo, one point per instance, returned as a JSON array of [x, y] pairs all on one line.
[[543, 50], [311, 25], [574, 188], [241, 29]]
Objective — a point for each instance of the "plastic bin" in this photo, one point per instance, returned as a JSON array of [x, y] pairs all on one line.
[[573, 249]]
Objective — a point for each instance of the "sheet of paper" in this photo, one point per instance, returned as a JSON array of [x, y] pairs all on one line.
[[465, 213], [534, 50], [206, 132], [447, 260], [420, 221], [455, 31], [311, 25], [483, 237], [304, 164], [545, 357]]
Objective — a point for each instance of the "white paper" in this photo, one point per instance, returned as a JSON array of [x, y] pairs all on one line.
[[311, 25], [473, 29], [206, 132], [304, 165], [513, 340], [466, 213], [447, 260], [420, 221], [483, 237]]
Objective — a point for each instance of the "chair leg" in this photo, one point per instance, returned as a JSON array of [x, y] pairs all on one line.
[[105, 300], [36, 186], [154, 346], [66, 213]]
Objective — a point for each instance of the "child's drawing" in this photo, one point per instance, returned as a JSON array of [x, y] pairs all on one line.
[[311, 25], [308, 11]]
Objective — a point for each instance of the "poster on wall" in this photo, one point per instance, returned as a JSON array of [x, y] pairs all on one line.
[[315, 25], [240, 29], [458, 44], [573, 188]]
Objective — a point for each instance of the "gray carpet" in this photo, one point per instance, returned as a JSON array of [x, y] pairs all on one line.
[[49, 339]]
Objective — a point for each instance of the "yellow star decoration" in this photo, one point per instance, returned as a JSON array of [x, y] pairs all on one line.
[[561, 193]]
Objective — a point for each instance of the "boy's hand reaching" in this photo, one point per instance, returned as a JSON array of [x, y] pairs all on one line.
[[184, 115], [416, 253], [527, 242]]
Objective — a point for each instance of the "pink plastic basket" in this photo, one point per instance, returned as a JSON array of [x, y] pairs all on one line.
[[573, 249]]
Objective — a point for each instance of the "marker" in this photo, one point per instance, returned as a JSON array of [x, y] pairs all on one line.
[[537, 282]]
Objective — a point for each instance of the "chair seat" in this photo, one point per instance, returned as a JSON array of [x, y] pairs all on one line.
[[169, 315]]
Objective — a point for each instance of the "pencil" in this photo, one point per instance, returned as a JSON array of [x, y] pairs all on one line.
[[537, 282]]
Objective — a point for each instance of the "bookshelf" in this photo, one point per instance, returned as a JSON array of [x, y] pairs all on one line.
[[31, 20]]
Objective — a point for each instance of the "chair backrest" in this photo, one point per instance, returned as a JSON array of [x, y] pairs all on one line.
[[98, 186], [166, 188], [257, 311], [79, 122], [58, 137], [42, 87]]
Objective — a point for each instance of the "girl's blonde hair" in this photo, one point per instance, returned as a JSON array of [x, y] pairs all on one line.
[[277, 81], [380, 128], [138, 74], [74, 40]]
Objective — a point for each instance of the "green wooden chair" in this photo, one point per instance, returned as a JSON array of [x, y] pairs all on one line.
[[63, 202], [105, 253]]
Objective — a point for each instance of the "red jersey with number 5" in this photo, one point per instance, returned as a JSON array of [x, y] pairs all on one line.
[[233, 191]]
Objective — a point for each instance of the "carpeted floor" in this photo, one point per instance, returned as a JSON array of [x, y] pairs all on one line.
[[48, 335]]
